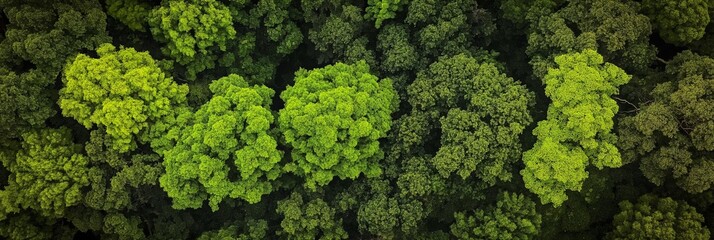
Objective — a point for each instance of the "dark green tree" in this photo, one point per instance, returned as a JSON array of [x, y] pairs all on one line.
[[313, 219], [678, 22], [513, 217], [658, 218], [38, 37], [196, 32], [672, 132], [614, 28], [481, 112]]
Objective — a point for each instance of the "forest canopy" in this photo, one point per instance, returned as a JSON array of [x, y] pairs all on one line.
[[361, 119]]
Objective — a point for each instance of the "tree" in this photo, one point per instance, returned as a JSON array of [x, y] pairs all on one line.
[[228, 135], [437, 29], [513, 217], [622, 33], [340, 36], [256, 229], [196, 32], [671, 134], [45, 34], [119, 184], [27, 225], [48, 174], [333, 119], [658, 218], [678, 22], [465, 121], [115, 177], [132, 13], [37, 38], [313, 219], [268, 32], [448, 27], [393, 211], [275, 17], [381, 10], [387, 216], [614, 28], [576, 133], [123, 91], [481, 111]]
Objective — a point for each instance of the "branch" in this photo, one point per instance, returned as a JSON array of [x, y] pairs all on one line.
[[661, 60], [628, 102]]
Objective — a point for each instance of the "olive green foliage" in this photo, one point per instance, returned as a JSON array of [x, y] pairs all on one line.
[[49, 172], [228, 133], [275, 17], [313, 219], [333, 118], [256, 229], [658, 218], [447, 27], [132, 13], [621, 32], [462, 98], [37, 38], [195, 32], [672, 135], [431, 30], [267, 32], [513, 217], [393, 213], [44, 34], [115, 177], [614, 28], [481, 112], [115, 180], [340, 36], [32, 226], [577, 132], [678, 22], [122, 90]]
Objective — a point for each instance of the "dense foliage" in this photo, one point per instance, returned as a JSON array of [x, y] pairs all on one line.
[[360, 119]]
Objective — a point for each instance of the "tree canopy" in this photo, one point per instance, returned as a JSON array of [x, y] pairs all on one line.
[[356, 119], [122, 90], [577, 132], [230, 134], [333, 119]]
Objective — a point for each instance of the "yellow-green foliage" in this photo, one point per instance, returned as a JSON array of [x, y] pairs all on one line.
[[231, 129], [576, 133], [49, 173], [333, 119], [381, 10], [123, 91]]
